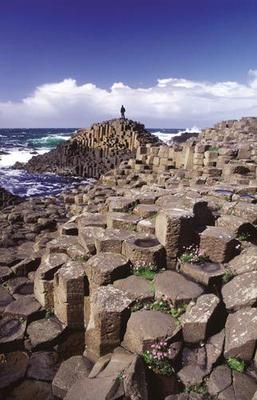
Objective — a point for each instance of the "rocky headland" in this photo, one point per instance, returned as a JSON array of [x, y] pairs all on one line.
[[141, 285]]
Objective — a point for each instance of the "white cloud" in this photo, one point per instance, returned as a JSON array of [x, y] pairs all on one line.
[[169, 103]]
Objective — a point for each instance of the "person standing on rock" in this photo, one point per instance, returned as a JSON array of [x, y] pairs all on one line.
[[122, 111]]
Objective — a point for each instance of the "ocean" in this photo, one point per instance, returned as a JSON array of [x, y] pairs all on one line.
[[22, 144]]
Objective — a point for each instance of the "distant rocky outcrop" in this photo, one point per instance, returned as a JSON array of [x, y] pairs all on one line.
[[92, 152]]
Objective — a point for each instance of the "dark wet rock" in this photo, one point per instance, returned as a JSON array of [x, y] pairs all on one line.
[[44, 332], [23, 306], [42, 366], [69, 372], [13, 367], [32, 390], [12, 331], [5, 298]]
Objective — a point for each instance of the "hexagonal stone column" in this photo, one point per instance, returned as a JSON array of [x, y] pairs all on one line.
[[241, 334], [109, 314], [198, 318], [104, 268], [69, 294], [219, 244], [175, 230], [144, 250], [176, 288], [145, 327]]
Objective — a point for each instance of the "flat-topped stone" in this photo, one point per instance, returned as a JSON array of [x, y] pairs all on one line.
[[104, 268], [5, 298], [50, 264], [24, 306], [244, 262], [69, 372], [118, 220], [44, 332], [219, 244], [111, 240], [241, 334], [241, 291], [198, 317], [144, 251], [175, 230], [146, 210], [145, 327], [12, 330], [175, 287], [136, 287], [91, 219], [61, 244], [109, 308], [206, 273]]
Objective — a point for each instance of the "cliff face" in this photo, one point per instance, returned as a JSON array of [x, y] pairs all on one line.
[[93, 151]]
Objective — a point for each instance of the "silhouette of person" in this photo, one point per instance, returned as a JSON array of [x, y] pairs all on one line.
[[122, 111]]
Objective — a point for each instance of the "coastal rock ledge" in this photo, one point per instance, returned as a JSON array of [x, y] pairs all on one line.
[[140, 285]]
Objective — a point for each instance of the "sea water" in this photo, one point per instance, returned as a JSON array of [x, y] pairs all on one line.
[[22, 144]]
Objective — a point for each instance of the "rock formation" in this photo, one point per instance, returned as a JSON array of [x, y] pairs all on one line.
[[141, 285], [92, 152]]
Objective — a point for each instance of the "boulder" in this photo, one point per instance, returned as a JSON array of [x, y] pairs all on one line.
[[175, 230], [208, 274], [111, 240], [136, 287], [244, 262], [69, 372], [118, 220], [69, 291], [145, 327], [198, 318], [219, 244], [241, 291], [241, 334], [176, 288], [12, 331], [109, 314], [23, 306], [44, 332], [104, 268], [43, 365]]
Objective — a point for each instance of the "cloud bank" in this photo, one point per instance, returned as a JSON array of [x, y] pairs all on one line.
[[169, 103]]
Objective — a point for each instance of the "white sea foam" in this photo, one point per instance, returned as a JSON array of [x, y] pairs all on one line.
[[8, 160], [167, 137]]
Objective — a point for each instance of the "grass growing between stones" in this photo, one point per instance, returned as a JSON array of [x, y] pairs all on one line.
[[227, 276], [244, 237], [236, 364], [193, 254], [145, 271], [198, 389]]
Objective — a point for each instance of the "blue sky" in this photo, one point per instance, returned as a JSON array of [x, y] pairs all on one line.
[[61, 46]]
